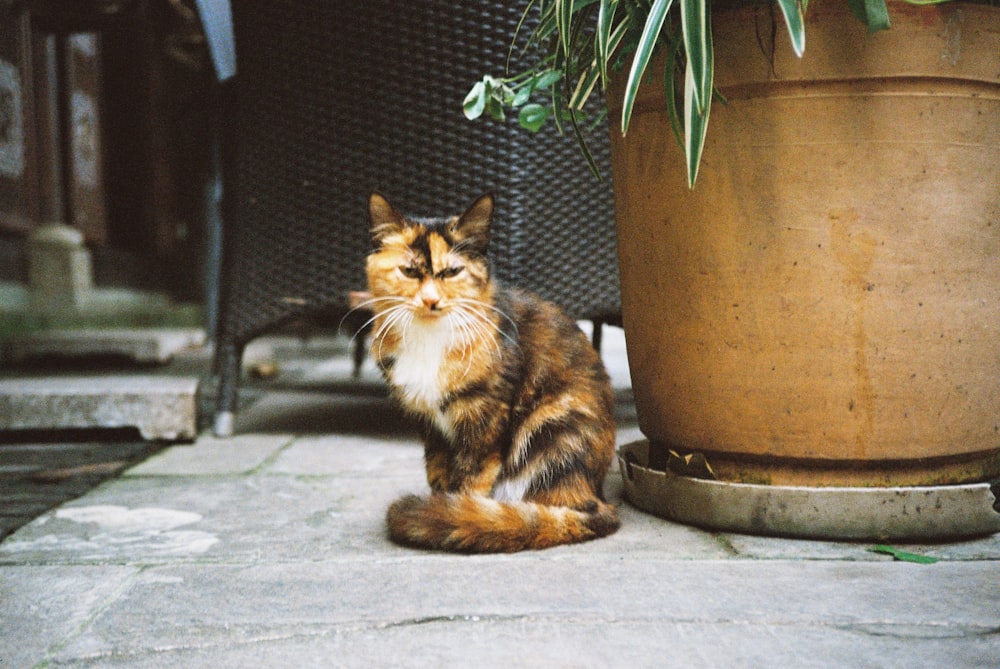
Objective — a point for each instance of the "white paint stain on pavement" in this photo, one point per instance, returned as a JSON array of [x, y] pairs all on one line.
[[97, 531]]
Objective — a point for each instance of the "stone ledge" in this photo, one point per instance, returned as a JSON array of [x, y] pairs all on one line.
[[141, 345], [161, 407]]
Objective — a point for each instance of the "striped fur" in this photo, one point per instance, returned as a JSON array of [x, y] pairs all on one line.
[[516, 407]]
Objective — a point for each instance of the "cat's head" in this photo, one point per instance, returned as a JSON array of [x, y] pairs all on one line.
[[430, 265]]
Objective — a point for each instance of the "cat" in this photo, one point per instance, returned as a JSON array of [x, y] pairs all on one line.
[[515, 404]]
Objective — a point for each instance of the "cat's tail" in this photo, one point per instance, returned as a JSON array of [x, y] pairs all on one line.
[[477, 524]]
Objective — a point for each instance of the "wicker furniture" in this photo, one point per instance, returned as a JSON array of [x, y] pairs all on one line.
[[336, 99]]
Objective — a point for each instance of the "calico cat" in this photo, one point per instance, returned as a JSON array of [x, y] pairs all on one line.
[[515, 404]]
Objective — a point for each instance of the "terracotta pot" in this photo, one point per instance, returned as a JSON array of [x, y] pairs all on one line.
[[824, 307]]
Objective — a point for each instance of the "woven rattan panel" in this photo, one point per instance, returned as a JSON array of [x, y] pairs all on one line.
[[339, 98]]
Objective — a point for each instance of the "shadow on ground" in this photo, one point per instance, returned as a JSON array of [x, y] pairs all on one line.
[[40, 470]]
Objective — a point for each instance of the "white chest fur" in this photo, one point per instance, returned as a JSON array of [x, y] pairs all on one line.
[[416, 373]]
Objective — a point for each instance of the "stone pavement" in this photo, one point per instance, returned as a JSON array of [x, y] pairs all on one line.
[[41, 470], [269, 550]]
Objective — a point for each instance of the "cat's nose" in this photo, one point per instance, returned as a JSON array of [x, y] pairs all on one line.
[[430, 296]]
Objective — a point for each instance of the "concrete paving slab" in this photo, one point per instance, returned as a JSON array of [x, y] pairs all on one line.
[[270, 550], [108, 533], [985, 548], [533, 643], [42, 607], [42, 473], [350, 455], [770, 548], [301, 515], [511, 611], [209, 456], [161, 407], [151, 521]]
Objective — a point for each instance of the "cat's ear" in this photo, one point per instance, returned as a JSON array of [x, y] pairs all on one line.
[[473, 227], [385, 220]]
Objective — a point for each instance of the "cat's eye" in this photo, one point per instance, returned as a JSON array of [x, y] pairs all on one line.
[[449, 272], [410, 271]]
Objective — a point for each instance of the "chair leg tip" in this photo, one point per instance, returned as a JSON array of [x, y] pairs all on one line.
[[224, 424]]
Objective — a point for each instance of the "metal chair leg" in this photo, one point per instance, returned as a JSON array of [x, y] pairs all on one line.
[[228, 358]]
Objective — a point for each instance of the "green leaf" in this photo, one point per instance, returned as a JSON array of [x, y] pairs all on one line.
[[497, 89], [872, 12], [695, 126], [546, 79], [698, 46], [533, 116], [522, 96], [605, 18], [792, 10], [858, 9], [517, 31], [877, 14], [584, 87], [644, 51], [670, 91], [494, 108], [564, 18], [903, 556], [582, 143], [475, 101], [546, 22]]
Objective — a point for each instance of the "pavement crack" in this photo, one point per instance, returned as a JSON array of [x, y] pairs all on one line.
[[910, 631], [457, 618]]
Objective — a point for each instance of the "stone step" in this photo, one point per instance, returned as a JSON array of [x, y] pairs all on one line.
[[141, 345], [160, 407]]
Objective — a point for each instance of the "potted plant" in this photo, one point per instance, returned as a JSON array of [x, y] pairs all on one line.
[[823, 309], [588, 39]]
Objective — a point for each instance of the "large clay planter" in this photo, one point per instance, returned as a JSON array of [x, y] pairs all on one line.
[[824, 307]]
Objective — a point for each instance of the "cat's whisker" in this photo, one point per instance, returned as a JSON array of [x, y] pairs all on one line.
[[455, 320], [461, 326], [484, 322], [367, 303], [370, 302], [399, 318], [387, 317], [490, 307], [369, 322], [486, 319], [470, 332], [457, 329], [485, 335], [472, 326], [397, 302], [460, 336], [392, 317], [478, 329]]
